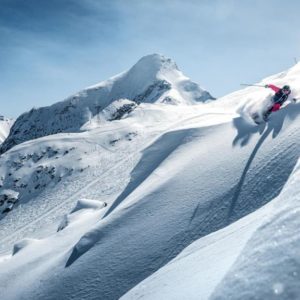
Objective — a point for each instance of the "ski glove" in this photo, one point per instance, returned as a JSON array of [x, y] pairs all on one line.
[[266, 86], [295, 100]]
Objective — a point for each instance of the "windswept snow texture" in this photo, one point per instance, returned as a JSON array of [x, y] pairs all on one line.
[[153, 79], [254, 258], [201, 204], [5, 125]]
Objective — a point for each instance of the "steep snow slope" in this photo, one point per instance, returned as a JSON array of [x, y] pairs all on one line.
[[190, 171], [154, 78], [50, 173], [264, 269], [253, 99], [5, 125], [272, 252], [253, 258], [183, 188]]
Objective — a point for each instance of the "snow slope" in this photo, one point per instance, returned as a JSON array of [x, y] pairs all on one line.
[[154, 78], [5, 125], [196, 176], [254, 258], [51, 172], [253, 99]]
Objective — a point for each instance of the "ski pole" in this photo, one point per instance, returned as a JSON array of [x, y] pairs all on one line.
[[246, 84]]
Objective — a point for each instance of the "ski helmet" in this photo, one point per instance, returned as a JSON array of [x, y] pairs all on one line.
[[286, 88]]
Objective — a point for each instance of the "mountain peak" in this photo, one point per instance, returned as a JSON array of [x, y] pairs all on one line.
[[156, 78], [153, 79], [155, 63], [150, 70]]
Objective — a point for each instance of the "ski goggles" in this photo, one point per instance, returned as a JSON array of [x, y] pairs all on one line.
[[286, 91]]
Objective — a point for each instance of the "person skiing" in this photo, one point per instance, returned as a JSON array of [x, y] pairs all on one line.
[[281, 95]]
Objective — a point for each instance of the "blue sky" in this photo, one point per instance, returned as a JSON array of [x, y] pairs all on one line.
[[51, 49]]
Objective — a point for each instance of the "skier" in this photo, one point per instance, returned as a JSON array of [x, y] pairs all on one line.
[[281, 95]]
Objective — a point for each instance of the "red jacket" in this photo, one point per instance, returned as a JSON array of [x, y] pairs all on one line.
[[274, 88]]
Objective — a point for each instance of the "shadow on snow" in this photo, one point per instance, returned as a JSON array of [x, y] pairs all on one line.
[[244, 133], [196, 217]]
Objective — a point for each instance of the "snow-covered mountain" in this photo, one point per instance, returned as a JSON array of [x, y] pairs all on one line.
[[5, 125], [153, 79], [161, 202], [26, 173]]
